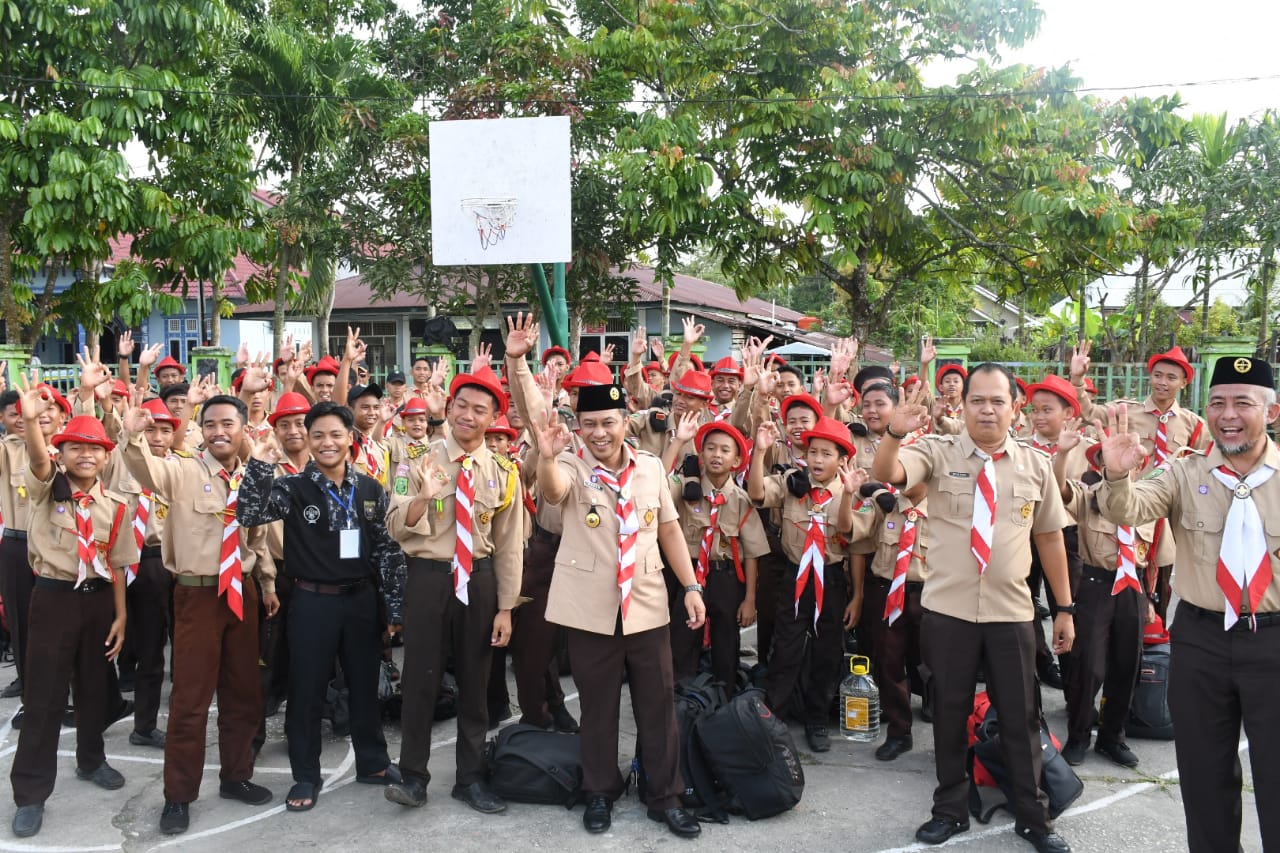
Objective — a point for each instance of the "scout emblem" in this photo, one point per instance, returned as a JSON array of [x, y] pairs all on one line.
[[648, 516], [913, 515], [1243, 489], [593, 519], [485, 516], [1026, 510], [1242, 365]]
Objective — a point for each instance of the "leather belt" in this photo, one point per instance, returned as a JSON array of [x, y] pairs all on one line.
[[479, 564], [198, 580], [10, 533], [89, 585], [886, 583], [721, 566], [347, 588], [1247, 620]]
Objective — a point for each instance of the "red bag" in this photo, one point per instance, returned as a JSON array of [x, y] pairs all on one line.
[[1155, 633], [981, 704]]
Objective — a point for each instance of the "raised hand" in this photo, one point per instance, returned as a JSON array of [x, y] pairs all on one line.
[[305, 353], [1071, 434], [124, 345], [202, 389], [768, 381], [928, 352], [1122, 451], [436, 401], [639, 345], [355, 348], [149, 356], [606, 354], [552, 435], [35, 399], [386, 412], [483, 357], [693, 331], [546, 382], [242, 354], [286, 350], [687, 428], [659, 350], [522, 335], [767, 434], [293, 372], [842, 357], [1080, 359], [267, 449], [439, 372], [852, 475], [908, 418], [136, 419], [839, 392], [4, 376], [257, 377]]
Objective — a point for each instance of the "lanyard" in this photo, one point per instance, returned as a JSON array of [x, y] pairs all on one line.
[[348, 505]]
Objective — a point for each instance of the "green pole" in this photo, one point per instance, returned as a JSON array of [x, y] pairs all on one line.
[[559, 302], [555, 312]]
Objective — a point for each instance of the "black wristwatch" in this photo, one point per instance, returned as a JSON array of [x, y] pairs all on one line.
[[1065, 608]]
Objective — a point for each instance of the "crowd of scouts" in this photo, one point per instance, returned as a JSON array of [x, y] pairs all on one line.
[[285, 530]]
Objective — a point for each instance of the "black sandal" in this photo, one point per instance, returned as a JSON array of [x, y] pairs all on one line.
[[302, 791]]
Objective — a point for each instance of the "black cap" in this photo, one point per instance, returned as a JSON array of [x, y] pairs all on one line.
[[871, 371], [396, 376], [601, 398], [1242, 371], [358, 391]]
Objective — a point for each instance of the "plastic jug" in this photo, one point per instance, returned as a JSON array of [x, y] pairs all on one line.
[[860, 702]]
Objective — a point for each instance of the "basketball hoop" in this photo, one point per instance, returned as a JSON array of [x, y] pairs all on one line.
[[493, 216]]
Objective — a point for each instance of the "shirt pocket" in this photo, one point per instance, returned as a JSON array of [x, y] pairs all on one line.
[[1204, 531], [209, 512], [63, 520], [956, 495], [1023, 511]]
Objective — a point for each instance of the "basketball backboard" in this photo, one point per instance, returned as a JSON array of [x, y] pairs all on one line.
[[500, 191]]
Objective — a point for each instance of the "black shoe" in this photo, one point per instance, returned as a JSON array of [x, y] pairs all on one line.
[[819, 740], [938, 830], [1044, 842], [681, 822], [155, 738], [1073, 751], [175, 818], [13, 690], [893, 747], [410, 792], [69, 718], [599, 815], [479, 797], [1050, 676], [1118, 751], [16, 722], [390, 775], [28, 820], [125, 710], [563, 720], [499, 714], [105, 776], [246, 792], [126, 683]]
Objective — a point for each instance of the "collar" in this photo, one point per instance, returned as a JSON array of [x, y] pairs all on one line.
[[313, 473], [708, 487], [965, 443], [454, 451], [593, 462], [95, 491], [215, 466], [1149, 405], [1216, 458]]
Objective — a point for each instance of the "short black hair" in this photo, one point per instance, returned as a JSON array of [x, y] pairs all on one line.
[[992, 367], [174, 390], [788, 368], [887, 388], [422, 357], [9, 398], [226, 400], [325, 409]]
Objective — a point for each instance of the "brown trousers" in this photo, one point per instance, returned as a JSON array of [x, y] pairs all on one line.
[[214, 652], [953, 651], [897, 651], [533, 644], [1218, 681], [15, 590], [148, 606], [1106, 655], [69, 628], [436, 625], [598, 663]]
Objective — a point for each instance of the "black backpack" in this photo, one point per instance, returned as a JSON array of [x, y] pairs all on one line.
[[746, 752], [696, 697], [1059, 782], [528, 764], [1149, 715]]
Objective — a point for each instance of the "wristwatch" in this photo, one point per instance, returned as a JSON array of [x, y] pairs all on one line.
[[1065, 608], [694, 587]]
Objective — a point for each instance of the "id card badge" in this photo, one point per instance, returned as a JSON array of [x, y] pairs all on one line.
[[349, 544]]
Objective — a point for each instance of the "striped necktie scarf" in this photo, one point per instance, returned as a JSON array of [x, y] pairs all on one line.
[[1244, 564], [813, 559], [230, 566], [464, 505], [86, 548], [984, 510]]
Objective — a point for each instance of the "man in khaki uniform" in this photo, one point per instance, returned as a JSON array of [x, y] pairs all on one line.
[[215, 605], [1225, 666], [459, 599], [691, 394], [608, 591], [989, 496]]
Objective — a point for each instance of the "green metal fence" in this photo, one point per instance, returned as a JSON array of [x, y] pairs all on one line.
[[1114, 381]]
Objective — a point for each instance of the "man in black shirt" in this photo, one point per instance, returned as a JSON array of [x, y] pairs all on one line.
[[338, 553]]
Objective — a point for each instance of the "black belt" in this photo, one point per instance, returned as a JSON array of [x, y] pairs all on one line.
[[149, 551], [831, 564], [1246, 623], [543, 535], [89, 585], [10, 533], [888, 582], [480, 564], [1097, 573], [721, 566], [344, 588]]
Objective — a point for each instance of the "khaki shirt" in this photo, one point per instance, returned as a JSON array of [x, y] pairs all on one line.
[[1077, 461], [1027, 502], [737, 519], [1196, 505], [192, 539], [1097, 534], [496, 527], [15, 501], [116, 477], [1184, 427], [642, 435], [402, 448], [52, 542], [584, 587], [378, 450], [890, 535], [796, 512]]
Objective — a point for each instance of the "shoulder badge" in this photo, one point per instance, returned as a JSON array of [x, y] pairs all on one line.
[[1154, 473], [401, 486]]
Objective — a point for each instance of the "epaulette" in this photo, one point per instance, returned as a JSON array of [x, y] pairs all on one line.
[[504, 462], [185, 454], [118, 497]]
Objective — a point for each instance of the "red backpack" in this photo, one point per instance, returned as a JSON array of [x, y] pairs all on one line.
[[979, 774]]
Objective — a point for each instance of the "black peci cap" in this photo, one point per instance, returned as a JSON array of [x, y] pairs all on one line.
[[601, 398], [1242, 371]]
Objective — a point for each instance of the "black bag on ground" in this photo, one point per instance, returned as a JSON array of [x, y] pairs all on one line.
[[696, 697], [1059, 782], [528, 764], [446, 698], [1149, 715], [746, 751]]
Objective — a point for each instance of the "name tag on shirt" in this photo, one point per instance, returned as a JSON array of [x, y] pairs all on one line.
[[349, 544]]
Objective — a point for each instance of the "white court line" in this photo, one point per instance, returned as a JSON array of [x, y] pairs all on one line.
[[1131, 790], [140, 759]]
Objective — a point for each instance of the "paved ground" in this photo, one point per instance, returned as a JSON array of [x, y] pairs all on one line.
[[851, 803]]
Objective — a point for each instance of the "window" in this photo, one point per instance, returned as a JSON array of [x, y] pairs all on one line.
[[193, 325], [183, 334], [380, 338], [175, 325]]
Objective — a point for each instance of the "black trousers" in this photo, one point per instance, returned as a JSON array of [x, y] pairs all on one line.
[[804, 668], [953, 651], [1163, 590], [274, 642], [147, 600], [437, 624], [724, 594], [71, 627], [1106, 655], [322, 627], [1044, 656], [16, 583], [1218, 681], [533, 642], [598, 664], [897, 651], [769, 583]]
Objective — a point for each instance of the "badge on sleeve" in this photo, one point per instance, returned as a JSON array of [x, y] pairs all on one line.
[[1026, 510], [648, 516], [486, 517]]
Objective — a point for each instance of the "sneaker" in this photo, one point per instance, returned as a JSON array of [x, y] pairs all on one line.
[[819, 740], [175, 818], [1118, 751], [155, 738], [1073, 751]]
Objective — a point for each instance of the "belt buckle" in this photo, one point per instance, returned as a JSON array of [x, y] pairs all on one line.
[[87, 587]]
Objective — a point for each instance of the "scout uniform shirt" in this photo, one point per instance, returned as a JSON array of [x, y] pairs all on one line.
[[116, 477], [1097, 541], [496, 527], [642, 435], [584, 587], [741, 533], [403, 450], [197, 494], [1027, 502], [371, 458], [890, 535], [1196, 504], [51, 541], [1184, 427], [796, 513], [15, 501]]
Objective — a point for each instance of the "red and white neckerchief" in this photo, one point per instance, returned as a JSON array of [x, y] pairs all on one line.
[[628, 522], [140, 517], [1051, 449], [1162, 435], [1126, 561], [288, 467], [230, 567], [721, 413], [464, 504], [896, 602], [813, 559], [369, 454], [984, 509], [708, 537], [951, 411], [1244, 563], [86, 548]]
